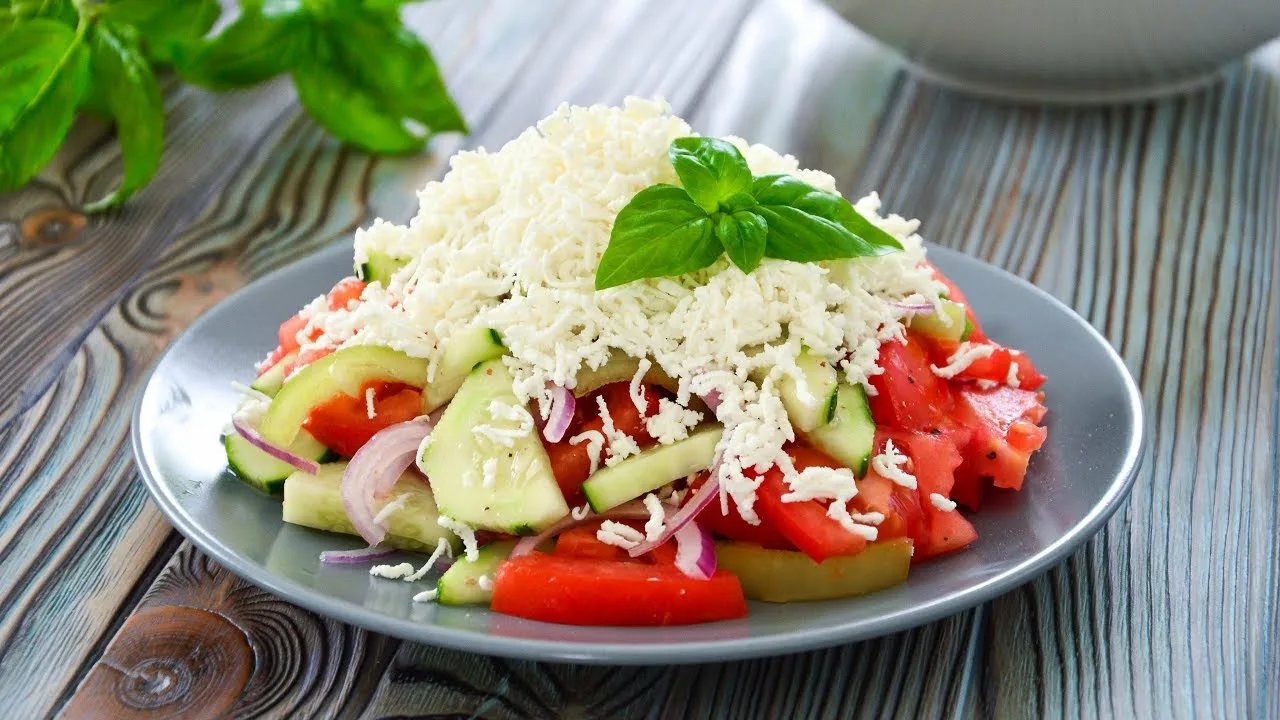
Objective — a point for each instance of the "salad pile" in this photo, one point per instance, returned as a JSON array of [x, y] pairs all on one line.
[[633, 376]]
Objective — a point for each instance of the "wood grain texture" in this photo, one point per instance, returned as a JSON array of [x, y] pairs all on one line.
[[1159, 222]]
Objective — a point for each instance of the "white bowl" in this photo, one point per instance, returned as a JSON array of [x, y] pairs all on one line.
[[1068, 50]]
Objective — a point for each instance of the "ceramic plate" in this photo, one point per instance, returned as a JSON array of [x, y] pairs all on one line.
[[1075, 483]]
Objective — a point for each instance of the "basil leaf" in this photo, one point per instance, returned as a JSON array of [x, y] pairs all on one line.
[[165, 26], [661, 232], [267, 39], [345, 109], [710, 169], [128, 88], [43, 72], [743, 235], [789, 191], [392, 65]]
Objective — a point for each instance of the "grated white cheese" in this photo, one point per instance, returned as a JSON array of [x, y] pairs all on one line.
[[871, 518], [889, 466], [504, 412], [490, 469], [941, 502], [442, 547], [985, 384], [657, 517], [621, 445], [426, 595], [581, 513], [391, 572], [834, 484], [485, 583], [672, 422], [595, 443], [637, 394], [963, 357], [510, 240], [619, 535], [369, 409], [463, 531], [395, 504], [1012, 379]]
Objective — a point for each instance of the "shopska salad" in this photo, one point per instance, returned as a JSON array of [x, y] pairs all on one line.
[[633, 376]]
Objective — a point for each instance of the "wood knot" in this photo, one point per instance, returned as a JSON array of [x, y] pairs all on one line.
[[168, 661], [52, 227]]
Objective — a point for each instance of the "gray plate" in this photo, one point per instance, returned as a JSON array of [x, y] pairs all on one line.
[[1075, 483]]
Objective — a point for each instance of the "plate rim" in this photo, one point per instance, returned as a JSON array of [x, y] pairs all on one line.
[[667, 653]]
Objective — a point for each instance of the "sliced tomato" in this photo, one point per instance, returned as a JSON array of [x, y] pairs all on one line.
[[732, 527], [571, 464], [994, 367], [805, 524], [581, 541], [948, 531], [908, 394], [274, 357], [345, 291], [934, 459], [306, 357], [343, 425], [585, 591], [900, 506], [1004, 422], [953, 293]]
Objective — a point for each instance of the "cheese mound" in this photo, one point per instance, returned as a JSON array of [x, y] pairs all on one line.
[[510, 240]]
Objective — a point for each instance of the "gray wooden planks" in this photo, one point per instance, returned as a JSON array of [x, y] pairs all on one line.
[[1158, 222]]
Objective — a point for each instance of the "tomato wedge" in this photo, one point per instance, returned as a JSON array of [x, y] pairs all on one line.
[[908, 394], [805, 524], [733, 527], [586, 591], [934, 459], [1004, 422], [343, 425]]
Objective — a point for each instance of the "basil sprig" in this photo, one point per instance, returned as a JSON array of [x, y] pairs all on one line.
[[723, 209], [363, 76]]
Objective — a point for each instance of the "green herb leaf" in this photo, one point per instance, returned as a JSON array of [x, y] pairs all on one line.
[[165, 26], [743, 235], [710, 169], [267, 39], [393, 66], [43, 71], [349, 112], [131, 95], [813, 208], [661, 232]]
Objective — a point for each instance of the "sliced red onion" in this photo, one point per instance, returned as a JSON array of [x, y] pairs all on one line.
[[359, 555], [712, 399], [561, 415], [695, 551], [920, 308], [633, 510], [685, 515], [374, 470], [249, 433]]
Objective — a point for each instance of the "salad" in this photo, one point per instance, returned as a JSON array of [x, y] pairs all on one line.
[[616, 373]]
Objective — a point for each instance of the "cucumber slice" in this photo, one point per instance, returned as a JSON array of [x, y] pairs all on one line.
[[609, 487], [379, 267], [811, 411], [269, 382], [344, 371], [950, 322], [460, 584], [465, 350], [523, 497], [851, 435], [620, 368], [262, 471], [316, 502]]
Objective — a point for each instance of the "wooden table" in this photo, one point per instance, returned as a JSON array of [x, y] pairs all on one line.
[[1160, 223]]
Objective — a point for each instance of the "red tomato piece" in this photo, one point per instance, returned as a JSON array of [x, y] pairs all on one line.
[[306, 357], [934, 459], [908, 394], [585, 591], [733, 527], [571, 464], [805, 524], [581, 542], [345, 291], [900, 506], [274, 357], [1005, 432], [343, 425]]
